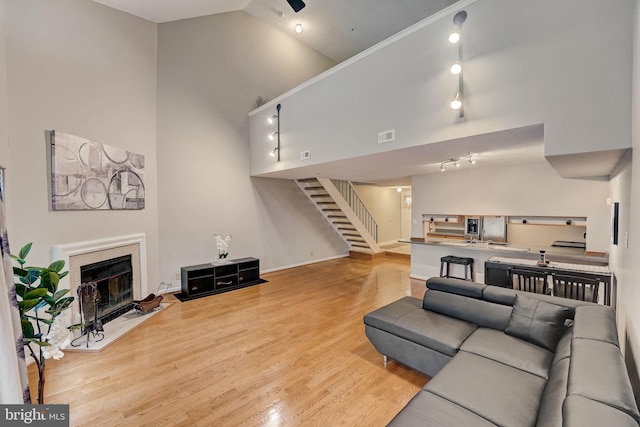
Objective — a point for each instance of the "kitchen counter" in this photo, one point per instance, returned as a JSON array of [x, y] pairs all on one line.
[[558, 254]]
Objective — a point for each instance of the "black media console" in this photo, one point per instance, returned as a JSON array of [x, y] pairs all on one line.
[[209, 279]]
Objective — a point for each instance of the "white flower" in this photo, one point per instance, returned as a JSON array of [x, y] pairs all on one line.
[[59, 336], [222, 243], [50, 351]]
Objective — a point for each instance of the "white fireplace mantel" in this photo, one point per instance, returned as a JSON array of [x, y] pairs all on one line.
[[65, 251]]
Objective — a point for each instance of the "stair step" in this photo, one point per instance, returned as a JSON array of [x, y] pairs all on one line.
[[359, 246], [325, 202], [361, 240], [319, 195], [332, 210], [344, 223], [307, 179], [336, 216], [315, 187], [351, 234]]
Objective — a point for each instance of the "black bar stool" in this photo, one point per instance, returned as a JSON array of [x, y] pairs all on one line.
[[446, 261]]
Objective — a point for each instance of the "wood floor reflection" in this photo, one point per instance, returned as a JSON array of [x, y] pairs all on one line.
[[290, 352]]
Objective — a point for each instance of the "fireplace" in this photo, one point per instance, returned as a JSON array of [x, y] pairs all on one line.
[[81, 254], [114, 288]]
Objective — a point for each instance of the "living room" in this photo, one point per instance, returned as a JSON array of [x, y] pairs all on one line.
[[180, 93]]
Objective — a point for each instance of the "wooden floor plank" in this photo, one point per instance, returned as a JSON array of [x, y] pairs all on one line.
[[288, 352]]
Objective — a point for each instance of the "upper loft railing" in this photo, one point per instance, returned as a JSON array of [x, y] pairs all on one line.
[[357, 205]]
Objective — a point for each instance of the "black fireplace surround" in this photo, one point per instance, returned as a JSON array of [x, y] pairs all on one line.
[[114, 280]]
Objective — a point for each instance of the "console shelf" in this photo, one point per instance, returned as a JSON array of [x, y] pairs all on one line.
[[208, 279]]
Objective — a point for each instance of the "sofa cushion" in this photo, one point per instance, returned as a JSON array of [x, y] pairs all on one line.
[[456, 286], [427, 409], [406, 319], [498, 346], [537, 321], [499, 393], [563, 349], [579, 411], [598, 372], [596, 322], [473, 310], [550, 412]]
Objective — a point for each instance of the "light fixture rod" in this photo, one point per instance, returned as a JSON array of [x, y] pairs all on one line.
[[278, 114]]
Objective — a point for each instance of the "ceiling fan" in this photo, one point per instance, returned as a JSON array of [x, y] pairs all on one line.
[[297, 5]]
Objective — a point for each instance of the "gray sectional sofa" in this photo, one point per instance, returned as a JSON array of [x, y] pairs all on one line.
[[503, 357]]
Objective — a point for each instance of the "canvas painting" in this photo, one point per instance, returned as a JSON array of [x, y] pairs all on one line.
[[87, 175]]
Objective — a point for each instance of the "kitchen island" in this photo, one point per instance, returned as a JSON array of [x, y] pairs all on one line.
[[426, 254]]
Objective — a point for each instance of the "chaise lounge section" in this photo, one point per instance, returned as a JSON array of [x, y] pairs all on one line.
[[503, 357]]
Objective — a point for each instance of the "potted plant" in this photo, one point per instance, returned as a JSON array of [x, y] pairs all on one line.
[[45, 334]]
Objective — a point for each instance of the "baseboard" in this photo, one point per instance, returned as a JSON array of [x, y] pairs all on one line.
[[285, 267]]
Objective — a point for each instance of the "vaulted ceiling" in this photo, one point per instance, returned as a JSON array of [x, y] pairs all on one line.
[[338, 29]]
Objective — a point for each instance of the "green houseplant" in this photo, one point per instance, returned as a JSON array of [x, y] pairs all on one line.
[[44, 333]]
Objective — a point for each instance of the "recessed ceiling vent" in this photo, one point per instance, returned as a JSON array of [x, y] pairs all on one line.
[[386, 136]]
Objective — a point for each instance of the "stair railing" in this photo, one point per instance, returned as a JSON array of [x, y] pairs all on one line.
[[357, 205]]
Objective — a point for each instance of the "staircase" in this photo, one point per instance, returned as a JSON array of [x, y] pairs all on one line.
[[341, 206]]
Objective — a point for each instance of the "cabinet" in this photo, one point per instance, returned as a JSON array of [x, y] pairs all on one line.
[[208, 279]]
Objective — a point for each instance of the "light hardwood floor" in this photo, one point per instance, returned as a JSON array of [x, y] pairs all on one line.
[[290, 352]]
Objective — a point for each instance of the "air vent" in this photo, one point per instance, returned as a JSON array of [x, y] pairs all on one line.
[[304, 155], [386, 136]]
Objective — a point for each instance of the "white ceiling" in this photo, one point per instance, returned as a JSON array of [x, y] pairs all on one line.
[[338, 29]]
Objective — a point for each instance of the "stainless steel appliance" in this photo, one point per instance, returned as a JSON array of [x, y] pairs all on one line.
[[472, 227], [494, 228]]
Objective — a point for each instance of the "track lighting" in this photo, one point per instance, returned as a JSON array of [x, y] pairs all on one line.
[[271, 120], [456, 161], [456, 68], [272, 135], [298, 28], [454, 37], [273, 152]]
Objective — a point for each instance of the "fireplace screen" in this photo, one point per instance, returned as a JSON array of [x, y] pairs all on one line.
[[114, 287]]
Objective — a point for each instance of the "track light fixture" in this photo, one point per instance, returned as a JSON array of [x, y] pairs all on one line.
[[276, 133], [298, 28], [456, 68], [457, 160]]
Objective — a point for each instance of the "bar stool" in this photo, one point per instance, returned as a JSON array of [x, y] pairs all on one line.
[[446, 261]]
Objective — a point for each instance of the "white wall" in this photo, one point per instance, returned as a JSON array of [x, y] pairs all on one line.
[[210, 71], [79, 67], [384, 205], [628, 276], [565, 64]]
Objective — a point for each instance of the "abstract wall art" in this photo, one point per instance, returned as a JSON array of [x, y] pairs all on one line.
[[87, 175]]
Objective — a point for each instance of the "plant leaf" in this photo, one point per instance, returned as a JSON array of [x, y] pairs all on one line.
[[32, 276], [27, 329], [63, 274], [26, 305], [20, 290], [25, 250], [59, 294], [35, 293], [19, 272], [49, 299], [57, 266]]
